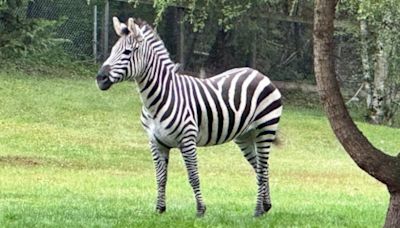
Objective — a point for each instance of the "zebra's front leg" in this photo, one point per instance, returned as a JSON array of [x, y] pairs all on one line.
[[188, 150], [160, 158]]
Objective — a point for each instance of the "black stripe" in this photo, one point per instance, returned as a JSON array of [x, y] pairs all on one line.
[[164, 99], [251, 88], [208, 111], [238, 91], [157, 99], [268, 132], [187, 101], [271, 107], [197, 102], [173, 98], [148, 83], [268, 123], [180, 107], [265, 141], [153, 90], [183, 129], [146, 72], [219, 112], [265, 93], [231, 113]]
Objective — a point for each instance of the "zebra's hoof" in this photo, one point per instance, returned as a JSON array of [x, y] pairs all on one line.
[[267, 207], [258, 214], [160, 210], [200, 212], [259, 211]]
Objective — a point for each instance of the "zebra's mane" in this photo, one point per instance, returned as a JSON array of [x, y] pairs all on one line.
[[145, 27]]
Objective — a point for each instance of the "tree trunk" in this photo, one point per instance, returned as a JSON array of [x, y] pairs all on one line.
[[383, 167], [393, 213], [366, 62], [381, 74], [182, 60], [221, 55], [252, 62]]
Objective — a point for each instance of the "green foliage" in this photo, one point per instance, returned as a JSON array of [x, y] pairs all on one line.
[[226, 12], [230, 13], [30, 36], [37, 39], [65, 160], [28, 41], [383, 20]]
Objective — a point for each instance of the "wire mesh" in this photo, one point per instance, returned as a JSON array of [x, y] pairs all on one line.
[[89, 37], [74, 23]]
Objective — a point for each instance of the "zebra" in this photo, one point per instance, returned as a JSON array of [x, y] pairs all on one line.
[[184, 112]]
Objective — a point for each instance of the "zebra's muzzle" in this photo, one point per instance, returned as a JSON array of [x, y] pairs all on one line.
[[103, 82]]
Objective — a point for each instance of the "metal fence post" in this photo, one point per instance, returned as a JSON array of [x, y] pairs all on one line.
[[105, 29], [95, 33], [181, 12]]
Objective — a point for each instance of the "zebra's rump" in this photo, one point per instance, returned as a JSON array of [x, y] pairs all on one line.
[[234, 103]]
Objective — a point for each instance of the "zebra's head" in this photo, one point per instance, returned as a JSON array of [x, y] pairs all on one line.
[[124, 62]]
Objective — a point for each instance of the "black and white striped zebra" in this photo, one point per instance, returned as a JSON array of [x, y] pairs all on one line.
[[184, 112]]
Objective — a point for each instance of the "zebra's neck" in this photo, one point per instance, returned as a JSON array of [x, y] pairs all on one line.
[[157, 81]]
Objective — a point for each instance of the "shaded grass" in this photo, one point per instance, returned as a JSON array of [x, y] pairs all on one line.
[[71, 155]]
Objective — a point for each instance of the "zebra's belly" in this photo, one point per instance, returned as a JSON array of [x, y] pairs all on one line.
[[159, 133], [226, 135]]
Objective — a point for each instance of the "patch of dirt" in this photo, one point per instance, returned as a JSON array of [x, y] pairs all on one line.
[[32, 161], [21, 160]]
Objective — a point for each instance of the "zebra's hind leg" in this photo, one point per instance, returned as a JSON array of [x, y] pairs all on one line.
[[160, 159], [188, 150], [247, 145], [264, 139]]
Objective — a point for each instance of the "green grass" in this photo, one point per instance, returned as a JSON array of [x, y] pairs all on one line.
[[71, 155]]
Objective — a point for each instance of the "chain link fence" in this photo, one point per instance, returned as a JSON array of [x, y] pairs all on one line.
[[88, 32], [87, 28], [74, 24]]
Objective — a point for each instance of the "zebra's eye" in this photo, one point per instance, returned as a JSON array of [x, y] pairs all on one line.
[[127, 52]]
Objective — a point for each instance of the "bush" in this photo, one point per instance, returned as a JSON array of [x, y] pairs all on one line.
[[30, 44]]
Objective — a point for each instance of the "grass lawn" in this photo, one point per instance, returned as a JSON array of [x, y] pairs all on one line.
[[71, 155]]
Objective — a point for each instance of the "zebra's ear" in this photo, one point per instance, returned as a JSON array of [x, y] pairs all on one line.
[[135, 30], [117, 26]]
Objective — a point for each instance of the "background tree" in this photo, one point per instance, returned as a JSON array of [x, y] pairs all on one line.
[[379, 28], [381, 166]]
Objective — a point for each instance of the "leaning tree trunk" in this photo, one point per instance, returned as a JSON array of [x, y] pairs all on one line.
[[381, 166]]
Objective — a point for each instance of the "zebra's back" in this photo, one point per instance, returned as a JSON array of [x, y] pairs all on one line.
[[231, 104]]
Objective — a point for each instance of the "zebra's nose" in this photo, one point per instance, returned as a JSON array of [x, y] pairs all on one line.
[[103, 73], [101, 77]]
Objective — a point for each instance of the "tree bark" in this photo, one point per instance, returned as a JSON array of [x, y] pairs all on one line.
[[221, 55], [366, 62], [253, 52], [393, 213], [381, 74], [383, 167]]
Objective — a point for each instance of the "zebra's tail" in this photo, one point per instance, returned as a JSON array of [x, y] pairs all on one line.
[[278, 141]]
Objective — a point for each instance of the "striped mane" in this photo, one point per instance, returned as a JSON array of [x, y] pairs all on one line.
[[151, 35], [144, 26]]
